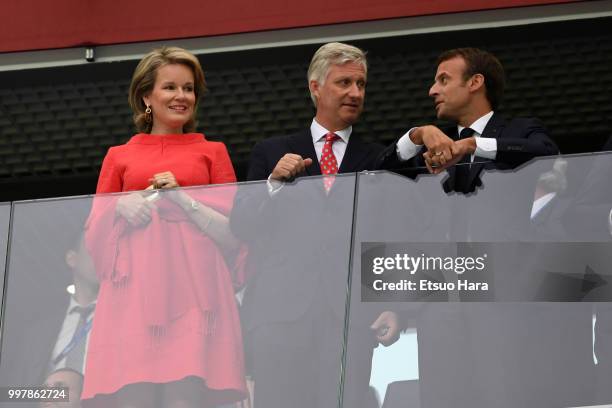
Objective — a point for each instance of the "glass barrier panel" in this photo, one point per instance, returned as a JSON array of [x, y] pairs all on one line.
[[496, 298], [47, 263], [5, 216], [218, 296], [293, 310]]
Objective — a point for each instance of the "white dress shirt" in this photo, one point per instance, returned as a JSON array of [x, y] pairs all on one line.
[[69, 326], [486, 147], [318, 133]]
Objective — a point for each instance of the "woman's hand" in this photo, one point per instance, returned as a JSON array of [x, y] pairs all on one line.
[[164, 180], [135, 208]]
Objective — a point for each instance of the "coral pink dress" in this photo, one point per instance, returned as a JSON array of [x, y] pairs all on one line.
[[166, 308]]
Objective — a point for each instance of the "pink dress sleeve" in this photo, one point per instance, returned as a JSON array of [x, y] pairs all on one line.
[[110, 179], [103, 228], [222, 171]]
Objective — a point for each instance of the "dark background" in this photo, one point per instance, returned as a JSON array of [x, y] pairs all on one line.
[[57, 123]]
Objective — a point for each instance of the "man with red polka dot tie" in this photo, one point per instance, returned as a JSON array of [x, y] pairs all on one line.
[[329, 164], [292, 335], [336, 79]]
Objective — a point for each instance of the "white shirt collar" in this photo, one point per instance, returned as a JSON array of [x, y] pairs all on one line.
[[73, 302], [479, 125], [317, 131]]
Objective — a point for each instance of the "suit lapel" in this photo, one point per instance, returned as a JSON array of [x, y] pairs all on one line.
[[301, 143], [40, 343], [494, 129], [356, 153]]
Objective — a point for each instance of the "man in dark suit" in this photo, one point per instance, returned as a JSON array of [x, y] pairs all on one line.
[[294, 305], [338, 93], [467, 89], [491, 354]]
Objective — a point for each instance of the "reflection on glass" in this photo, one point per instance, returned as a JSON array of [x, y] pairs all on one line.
[[294, 304], [166, 311], [546, 343], [50, 281], [65, 378], [544, 228], [69, 349]]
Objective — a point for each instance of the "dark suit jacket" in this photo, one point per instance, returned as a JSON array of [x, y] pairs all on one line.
[[518, 141], [28, 355], [307, 232], [359, 155]]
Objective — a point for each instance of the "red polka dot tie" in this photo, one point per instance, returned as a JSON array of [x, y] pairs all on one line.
[[329, 164]]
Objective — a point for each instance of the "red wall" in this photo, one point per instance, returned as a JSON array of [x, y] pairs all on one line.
[[46, 24]]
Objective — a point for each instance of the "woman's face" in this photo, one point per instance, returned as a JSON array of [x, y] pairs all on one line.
[[172, 99]]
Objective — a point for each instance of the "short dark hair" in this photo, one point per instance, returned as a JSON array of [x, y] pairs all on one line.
[[478, 61]]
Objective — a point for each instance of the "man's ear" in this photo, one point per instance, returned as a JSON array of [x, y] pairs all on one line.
[[313, 85], [476, 82]]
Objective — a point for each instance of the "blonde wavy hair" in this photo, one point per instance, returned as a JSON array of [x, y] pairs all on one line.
[[144, 77]]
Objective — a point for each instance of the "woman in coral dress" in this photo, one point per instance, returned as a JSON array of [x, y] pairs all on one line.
[[166, 331]]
